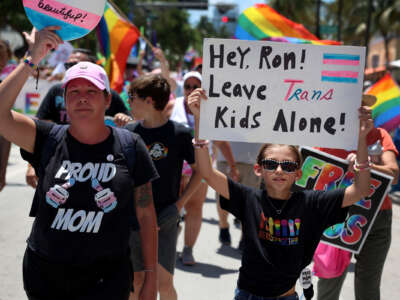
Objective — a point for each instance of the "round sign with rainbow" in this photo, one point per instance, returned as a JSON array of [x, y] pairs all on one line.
[[75, 17]]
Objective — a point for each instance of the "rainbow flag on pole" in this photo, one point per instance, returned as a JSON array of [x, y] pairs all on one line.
[[116, 36], [386, 110], [261, 22]]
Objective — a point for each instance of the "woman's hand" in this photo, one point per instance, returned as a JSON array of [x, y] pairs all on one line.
[[159, 54], [366, 121], [30, 177], [44, 41], [194, 101], [30, 37]]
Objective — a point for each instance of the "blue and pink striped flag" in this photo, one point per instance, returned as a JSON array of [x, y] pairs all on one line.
[[342, 61]]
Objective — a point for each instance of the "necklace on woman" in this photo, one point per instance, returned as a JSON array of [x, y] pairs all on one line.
[[278, 211]]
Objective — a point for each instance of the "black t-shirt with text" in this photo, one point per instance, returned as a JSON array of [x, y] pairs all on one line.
[[86, 197], [279, 246], [52, 107], [168, 146]]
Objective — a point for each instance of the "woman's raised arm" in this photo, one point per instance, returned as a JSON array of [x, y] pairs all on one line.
[[15, 127]]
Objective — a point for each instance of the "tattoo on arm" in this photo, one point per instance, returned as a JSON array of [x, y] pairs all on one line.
[[143, 195]]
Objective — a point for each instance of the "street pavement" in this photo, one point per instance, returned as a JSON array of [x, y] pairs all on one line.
[[213, 277]]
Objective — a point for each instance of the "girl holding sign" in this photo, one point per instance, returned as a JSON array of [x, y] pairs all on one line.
[[88, 191], [281, 229]]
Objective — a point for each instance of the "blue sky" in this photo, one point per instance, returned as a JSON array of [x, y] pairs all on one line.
[[243, 4]]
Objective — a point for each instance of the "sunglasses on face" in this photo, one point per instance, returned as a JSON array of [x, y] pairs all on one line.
[[190, 87], [68, 65], [287, 166]]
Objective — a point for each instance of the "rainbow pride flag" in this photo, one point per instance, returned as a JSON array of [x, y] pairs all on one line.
[[261, 22], [386, 110], [116, 37]]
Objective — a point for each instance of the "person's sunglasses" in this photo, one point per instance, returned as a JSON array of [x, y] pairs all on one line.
[[190, 87], [68, 65], [286, 165]]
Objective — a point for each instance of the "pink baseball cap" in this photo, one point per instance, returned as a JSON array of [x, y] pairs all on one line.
[[89, 71]]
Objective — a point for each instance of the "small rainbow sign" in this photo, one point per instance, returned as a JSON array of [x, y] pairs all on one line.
[[75, 17]]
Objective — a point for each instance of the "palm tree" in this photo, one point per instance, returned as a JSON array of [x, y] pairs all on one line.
[[387, 20], [362, 19], [351, 18], [318, 19], [339, 19]]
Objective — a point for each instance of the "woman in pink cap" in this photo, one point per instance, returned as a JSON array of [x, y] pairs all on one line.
[[90, 193]]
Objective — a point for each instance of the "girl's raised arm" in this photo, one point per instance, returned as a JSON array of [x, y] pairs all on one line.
[[217, 180], [360, 188]]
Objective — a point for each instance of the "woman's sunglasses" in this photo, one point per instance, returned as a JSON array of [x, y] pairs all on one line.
[[190, 87], [68, 65], [286, 165]]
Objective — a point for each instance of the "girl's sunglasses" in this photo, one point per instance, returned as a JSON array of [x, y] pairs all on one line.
[[286, 165], [190, 87]]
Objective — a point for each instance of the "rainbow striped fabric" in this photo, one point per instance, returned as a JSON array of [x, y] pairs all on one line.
[[261, 22], [386, 110], [117, 37]]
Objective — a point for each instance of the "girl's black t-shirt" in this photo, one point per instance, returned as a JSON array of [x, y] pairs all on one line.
[[279, 246], [86, 197]]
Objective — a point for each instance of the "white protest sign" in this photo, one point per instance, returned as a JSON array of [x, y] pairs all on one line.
[[29, 99], [261, 91]]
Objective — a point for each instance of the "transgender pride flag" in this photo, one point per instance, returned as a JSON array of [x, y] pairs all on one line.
[[344, 67], [75, 17]]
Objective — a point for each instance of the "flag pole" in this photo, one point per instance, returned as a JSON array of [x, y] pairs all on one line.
[[119, 10], [147, 42]]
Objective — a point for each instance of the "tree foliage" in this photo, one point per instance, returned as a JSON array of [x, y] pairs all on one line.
[[173, 32], [353, 20], [205, 29], [167, 28], [385, 20], [13, 15]]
